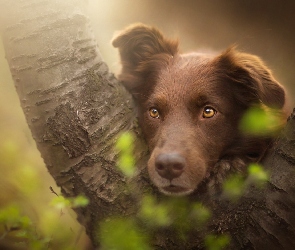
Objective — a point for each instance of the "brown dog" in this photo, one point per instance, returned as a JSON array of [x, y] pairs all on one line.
[[190, 106]]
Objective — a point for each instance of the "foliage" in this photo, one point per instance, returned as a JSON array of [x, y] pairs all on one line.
[[22, 230], [27, 221], [261, 121], [177, 212], [122, 234], [257, 174], [61, 202], [216, 242], [126, 162], [173, 212], [235, 185], [133, 232]]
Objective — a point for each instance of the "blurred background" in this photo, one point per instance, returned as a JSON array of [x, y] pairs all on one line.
[[262, 27]]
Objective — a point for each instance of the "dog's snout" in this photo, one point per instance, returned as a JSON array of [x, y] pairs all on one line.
[[170, 166]]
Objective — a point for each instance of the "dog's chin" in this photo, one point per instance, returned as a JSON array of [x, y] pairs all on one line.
[[173, 190]]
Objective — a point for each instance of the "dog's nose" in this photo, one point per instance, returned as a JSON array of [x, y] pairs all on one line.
[[170, 166]]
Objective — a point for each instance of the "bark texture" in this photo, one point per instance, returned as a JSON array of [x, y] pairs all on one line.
[[76, 108], [265, 218]]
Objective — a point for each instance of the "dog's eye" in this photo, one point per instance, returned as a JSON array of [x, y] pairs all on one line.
[[208, 112], [154, 113]]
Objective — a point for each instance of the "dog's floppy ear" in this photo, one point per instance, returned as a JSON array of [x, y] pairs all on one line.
[[137, 45], [257, 80]]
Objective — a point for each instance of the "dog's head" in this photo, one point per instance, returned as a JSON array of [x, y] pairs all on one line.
[[190, 105]]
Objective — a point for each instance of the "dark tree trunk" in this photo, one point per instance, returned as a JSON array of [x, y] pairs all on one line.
[[76, 109], [265, 218]]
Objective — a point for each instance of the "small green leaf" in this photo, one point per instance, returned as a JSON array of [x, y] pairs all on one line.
[[216, 242], [12, 218], [259, 121], [126, 165], [80, 201], [257, 174], [125, 142], [234, 187], [60, 202], [200, 214], [25, 222], [122, 234], [10, 214], [154, 214], [126, 161]]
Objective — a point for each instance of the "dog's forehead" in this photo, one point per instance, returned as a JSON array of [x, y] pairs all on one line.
[[192, 74]]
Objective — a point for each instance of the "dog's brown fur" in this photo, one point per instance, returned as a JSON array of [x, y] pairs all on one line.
[[174, 91]]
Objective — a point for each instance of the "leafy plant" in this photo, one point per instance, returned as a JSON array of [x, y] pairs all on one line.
[[126, 161], [261, 121], [119, 233], [133, 233], [216, 242]]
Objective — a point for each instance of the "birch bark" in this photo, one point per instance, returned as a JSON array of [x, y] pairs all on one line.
[[73, 105]]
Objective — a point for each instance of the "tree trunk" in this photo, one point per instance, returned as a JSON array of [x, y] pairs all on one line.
[[76, 109]]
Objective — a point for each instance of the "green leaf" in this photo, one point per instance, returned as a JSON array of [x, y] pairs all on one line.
[[216, 242], [9, 214], [122, 234], [260, 121], [125, 142], [12, 218], [25, 222], [154, 214], [126, 161], [126, 164], [200, 214], [257, 174], [60, 202], [234, 187], [80, 201]]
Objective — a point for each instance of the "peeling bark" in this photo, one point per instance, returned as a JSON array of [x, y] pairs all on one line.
[[76, 109]]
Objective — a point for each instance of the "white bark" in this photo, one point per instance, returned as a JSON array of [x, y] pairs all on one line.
[[74, 107]]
